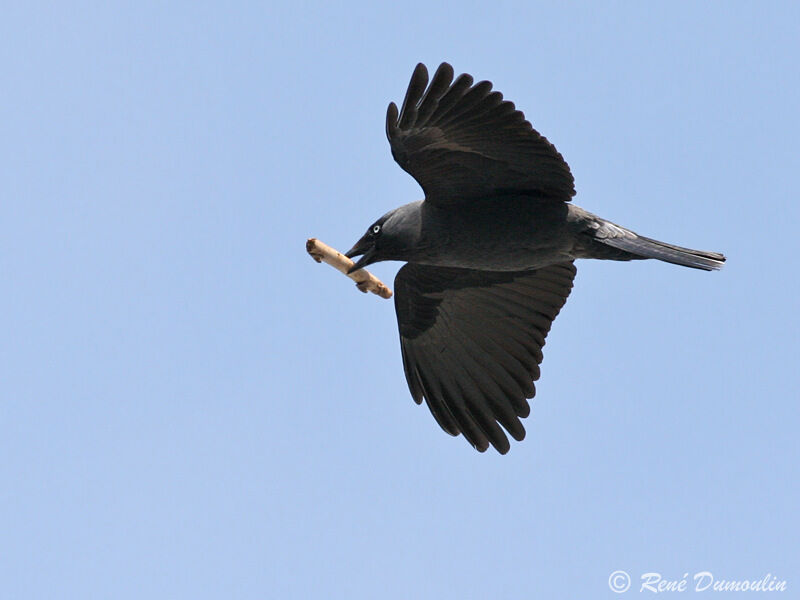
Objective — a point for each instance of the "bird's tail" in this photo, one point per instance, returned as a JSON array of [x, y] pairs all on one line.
[[648, 248]]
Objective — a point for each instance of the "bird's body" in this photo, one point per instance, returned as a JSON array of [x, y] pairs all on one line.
[[515, 234], [490, 252], [512, 235]]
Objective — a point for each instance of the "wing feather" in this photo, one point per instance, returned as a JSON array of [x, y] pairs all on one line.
[[416, 87]]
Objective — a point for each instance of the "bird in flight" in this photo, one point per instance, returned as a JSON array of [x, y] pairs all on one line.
[[490, 252]]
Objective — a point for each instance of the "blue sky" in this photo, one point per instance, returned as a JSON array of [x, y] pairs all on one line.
[[191, 408]]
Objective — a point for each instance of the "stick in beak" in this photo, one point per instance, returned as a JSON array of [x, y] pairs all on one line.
[[365, 281]]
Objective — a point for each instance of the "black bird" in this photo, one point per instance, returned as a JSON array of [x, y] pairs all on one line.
[[490, 252]]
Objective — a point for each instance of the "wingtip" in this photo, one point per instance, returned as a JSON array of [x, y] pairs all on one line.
[[419, 78], [465, 79], [445, 68], [391, 120], [481, 446]]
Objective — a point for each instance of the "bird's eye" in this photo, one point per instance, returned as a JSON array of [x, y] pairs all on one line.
[[376, 229]]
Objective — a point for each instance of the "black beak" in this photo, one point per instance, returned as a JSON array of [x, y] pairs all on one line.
[[365, 246]]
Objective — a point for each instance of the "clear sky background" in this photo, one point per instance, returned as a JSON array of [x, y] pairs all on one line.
[[192, 408]]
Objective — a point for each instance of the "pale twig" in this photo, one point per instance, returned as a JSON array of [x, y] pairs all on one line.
[[365, 281]]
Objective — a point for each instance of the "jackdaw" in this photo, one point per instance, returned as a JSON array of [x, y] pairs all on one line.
[[490, 252]]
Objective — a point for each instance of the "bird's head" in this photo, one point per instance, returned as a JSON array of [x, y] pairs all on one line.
[[392, 237]]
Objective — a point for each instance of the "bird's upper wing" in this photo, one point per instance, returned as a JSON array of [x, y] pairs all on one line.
[[462, 141], [472, 343]]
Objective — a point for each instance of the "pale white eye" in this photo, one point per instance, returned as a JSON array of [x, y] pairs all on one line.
[[376, 229]]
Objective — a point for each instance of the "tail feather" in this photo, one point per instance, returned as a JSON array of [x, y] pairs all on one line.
[[649, 248]]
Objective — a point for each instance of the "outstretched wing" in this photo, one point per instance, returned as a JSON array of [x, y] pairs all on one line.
[[462, 142], [472, 343]]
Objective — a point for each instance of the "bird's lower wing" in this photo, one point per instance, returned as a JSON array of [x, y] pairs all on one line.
[[472, 343]]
